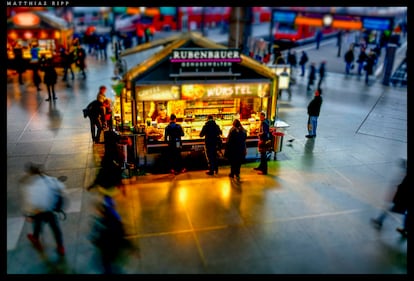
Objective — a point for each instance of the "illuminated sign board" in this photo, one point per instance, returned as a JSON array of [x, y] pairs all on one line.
[[157, 92], [284, 16], [199, 60], [376, 23], [205, 55], [26, 19], [223, 91]]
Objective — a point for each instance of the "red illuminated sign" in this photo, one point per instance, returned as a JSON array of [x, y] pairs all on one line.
[[26, 19]]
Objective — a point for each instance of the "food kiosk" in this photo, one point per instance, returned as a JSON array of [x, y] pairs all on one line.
[[192, 77], [48, 31]]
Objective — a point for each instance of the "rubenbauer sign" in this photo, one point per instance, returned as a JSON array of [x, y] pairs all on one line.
[[200, 59]]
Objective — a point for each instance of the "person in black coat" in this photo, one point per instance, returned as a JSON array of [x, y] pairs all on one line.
[[349, 59], [96, 116], [264, 136], [67, 61], [211, 131], [236, 148], [400, 203], [362, 58], [302, 62], [19, 62], [369, 66], [50, 79], [312, 76], [314, 108], [172, 135], [322, 71], [81, 60]]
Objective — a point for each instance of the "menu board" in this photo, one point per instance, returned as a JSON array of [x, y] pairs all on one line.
[[224, 91]]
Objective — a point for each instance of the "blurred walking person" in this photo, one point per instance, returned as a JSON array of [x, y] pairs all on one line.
[[312, 76], [302, 62], [236, 148], [322, 72], [40, 194], [108, 235], [400, 203], [349, 60], [50, 79]]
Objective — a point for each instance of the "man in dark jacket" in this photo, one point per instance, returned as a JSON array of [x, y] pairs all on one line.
[[264, 136], [314, 107], [96, 116], [172, 135], [211, 131]]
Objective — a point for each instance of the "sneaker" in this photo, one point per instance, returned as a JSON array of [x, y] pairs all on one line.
[[172, 171], [61, 250], [309, 136], [231, 176], [209, 173], [238, 177], [257, 169], [262, 173], [36, 243], [47, 99], [183, 170], [402, 231]]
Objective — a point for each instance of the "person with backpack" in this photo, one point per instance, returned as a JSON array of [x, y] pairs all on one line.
[[41, 192], [96, 113]]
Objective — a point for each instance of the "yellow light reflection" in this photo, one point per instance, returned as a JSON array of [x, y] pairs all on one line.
[[225, 192], [182, 196]]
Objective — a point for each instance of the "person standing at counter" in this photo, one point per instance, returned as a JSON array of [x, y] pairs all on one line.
[[172, 135], [236, 148], [263, 138], [211, 131]]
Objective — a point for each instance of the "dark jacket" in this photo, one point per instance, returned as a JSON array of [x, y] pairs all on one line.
[[95, 110], [303, 59], [211, 131], [349, 56], [236, 144], [312, 73], [264, 131], [401, 197], [173, 133], [314, 107], [50, 77]]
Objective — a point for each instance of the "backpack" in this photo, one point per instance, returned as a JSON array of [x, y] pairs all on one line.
[[60, 202]]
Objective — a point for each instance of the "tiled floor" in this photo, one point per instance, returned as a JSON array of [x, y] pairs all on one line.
[[309, 215]]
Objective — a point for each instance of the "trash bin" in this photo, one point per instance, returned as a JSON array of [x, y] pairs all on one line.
[[278, 141]]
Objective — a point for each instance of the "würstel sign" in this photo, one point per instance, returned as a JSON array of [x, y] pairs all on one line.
[[200, 60]]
